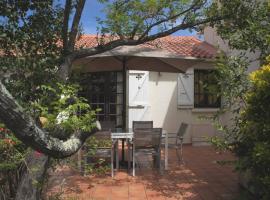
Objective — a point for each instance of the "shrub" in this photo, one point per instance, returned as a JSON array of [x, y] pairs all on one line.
[[12, 157], [253, 147], [12, 150]]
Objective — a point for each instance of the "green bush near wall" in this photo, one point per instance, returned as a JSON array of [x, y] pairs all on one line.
[[253, 146]]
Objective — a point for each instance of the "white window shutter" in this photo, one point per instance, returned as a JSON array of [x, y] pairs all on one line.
[[185, 89], [138, 87], [138, 96]]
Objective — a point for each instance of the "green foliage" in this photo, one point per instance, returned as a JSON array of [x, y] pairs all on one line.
[[247, 24], [233, 79], [92, 164], [247, 136], [95, 143], [62, 109], [12, 151], [140, 18], [96, 165], [30, 28], [253, 149], [30, 32], [247, 27], [231, 72]]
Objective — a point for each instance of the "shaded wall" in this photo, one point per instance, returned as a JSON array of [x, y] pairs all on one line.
[[165, 112]]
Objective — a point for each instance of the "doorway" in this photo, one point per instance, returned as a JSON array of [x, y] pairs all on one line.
[[104, 91]]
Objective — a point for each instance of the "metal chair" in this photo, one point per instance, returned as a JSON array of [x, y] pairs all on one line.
[[107, 148], [147, 141], [142, 124], [179, 137], [107, 125]]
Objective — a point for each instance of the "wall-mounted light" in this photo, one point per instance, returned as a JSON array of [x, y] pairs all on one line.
[[185, 75], [138, 76]]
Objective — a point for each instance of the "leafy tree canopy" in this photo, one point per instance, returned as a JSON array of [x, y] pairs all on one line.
[[36, 36], [247, 26], [139, 19]]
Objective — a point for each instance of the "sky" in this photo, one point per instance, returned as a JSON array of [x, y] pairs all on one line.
[[93, 9]]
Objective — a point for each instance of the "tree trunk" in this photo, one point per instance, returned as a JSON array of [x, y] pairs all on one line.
[[30, 186], [25, 128]]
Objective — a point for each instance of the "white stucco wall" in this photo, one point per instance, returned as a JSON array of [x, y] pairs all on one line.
[[164, 110], [212, 38], [162, 102]]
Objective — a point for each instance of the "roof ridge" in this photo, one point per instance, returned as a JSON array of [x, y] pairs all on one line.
[[173, 36], [181, 45]]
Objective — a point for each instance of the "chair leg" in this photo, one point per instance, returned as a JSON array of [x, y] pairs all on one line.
[[181, 151], [159, 163], [130, 152], [112, 155], [117, 156], [128, 143], [85, 163], [133, 167], [154, 157], [178, 155]]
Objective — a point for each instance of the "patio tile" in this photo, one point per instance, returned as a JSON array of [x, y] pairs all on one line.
[[120, 192], [154, 194], [201, 178], [137, 191], [100, 198]]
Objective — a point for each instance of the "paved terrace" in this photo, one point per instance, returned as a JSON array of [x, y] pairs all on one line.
[[201, 178]]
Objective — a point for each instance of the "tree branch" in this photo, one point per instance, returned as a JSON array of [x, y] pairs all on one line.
[[180, 27], [65, 25], [167, 19], [65, 68], [25, 128], [75, 25]]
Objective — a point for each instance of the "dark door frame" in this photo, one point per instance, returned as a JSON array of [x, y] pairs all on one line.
[[107, 94]]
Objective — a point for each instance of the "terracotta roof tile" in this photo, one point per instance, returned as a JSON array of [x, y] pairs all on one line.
[[184, 46]]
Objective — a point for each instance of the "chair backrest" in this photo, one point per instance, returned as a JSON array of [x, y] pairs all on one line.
[[147, 138], [182, 129], [107, 125], [142, 124], [102, 135]]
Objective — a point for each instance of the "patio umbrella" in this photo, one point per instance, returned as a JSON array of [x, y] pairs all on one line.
[[135, 58], [139, 57]]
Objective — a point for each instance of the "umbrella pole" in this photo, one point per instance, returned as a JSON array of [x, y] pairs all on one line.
[[124, 104], [124, 91]]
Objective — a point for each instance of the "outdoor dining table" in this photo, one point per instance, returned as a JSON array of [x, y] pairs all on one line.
[[120, 134]]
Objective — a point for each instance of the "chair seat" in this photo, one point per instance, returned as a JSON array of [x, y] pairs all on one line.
[[105, 153], [146, 151]]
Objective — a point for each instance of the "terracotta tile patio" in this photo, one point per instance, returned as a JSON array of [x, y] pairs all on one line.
[[201, 178]]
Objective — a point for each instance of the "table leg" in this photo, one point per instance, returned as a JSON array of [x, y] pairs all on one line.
[[112, 155], [133, 159], [117, 156], [123, 150], [166, 151], [128, 155]]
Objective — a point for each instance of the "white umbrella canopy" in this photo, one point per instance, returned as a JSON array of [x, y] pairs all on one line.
[[135, 58]]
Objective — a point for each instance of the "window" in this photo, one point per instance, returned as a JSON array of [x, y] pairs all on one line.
[[206, 89]]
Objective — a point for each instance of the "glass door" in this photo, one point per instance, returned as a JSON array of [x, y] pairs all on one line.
[[104, 90]]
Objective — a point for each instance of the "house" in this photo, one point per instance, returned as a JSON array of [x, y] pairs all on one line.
[[166, 98], [211, 37], [253, 58]]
